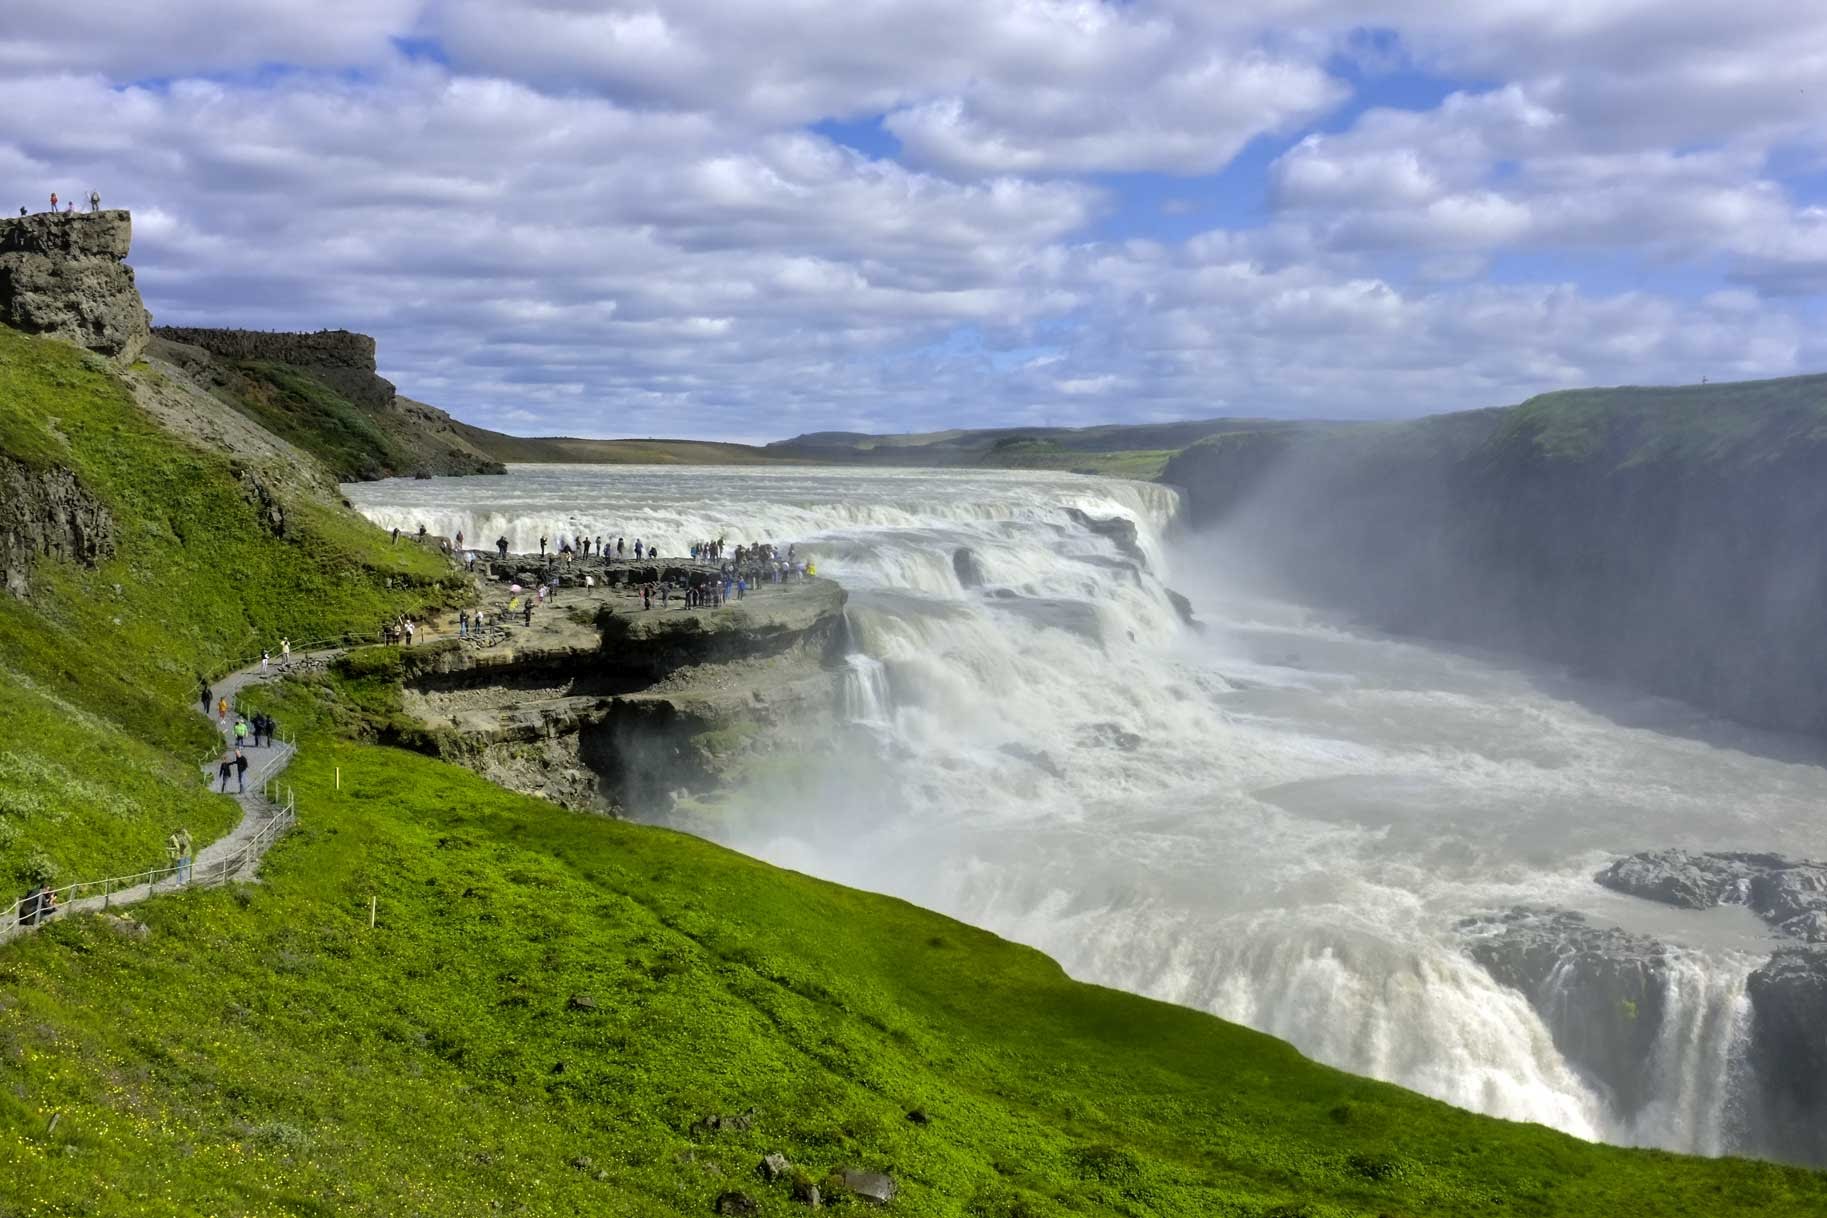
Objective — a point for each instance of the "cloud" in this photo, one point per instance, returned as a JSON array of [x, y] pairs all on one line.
[[607, 218]]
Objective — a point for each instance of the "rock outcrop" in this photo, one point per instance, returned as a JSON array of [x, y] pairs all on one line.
[[1120, 532], [968, 568], [64, 276], [48, 513], [1789, 1049], [1601, 990], [1789, 894], [341, 359]]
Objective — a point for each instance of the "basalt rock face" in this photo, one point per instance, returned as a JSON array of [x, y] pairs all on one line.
[[1601, 990], [1120, 532], [64, 276], [1789, 1049], [48, 513]]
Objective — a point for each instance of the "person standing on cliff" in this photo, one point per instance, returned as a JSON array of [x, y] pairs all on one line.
[[542, 545], [501, 543], [53, 202], [178, 848], [527, 611], [95, 200], [224, 769], [285, 650], [396, 536]]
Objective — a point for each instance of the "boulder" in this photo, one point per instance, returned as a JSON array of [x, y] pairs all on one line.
[[1183, 607], [581, 1002], [735, 1203], [773, 1167], [872, 1186], [64, 276], [968, 567]]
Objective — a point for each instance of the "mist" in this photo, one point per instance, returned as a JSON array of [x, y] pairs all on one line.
[[1277, 816]]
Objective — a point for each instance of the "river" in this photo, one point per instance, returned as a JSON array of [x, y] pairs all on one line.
[[1272, 818]]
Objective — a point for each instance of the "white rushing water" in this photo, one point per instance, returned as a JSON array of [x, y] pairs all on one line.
[[1276, 820]]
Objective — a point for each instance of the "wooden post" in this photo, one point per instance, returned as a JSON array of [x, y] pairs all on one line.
[[371, 907], [339, 778]]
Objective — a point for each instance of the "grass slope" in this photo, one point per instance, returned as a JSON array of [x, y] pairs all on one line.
[[96, 666], [266, 1052], [549, 1003]]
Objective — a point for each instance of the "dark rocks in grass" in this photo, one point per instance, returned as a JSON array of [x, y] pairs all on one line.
[[968, 567], [918, 1116], [773, 1167], [720, 1123], [581, 1002], [877, 1188], [805, 1192], [735, 1203]]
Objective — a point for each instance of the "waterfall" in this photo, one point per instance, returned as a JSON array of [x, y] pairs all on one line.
[[1277, 820], [865, 691]]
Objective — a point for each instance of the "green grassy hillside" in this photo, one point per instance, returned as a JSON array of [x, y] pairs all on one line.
[[550, 1006], [549, 1003], [99, 667]]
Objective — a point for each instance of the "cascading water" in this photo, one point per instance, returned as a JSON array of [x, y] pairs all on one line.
[[865, 692], [1275, 820]]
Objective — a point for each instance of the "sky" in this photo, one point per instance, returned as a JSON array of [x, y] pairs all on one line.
[[747, 219]]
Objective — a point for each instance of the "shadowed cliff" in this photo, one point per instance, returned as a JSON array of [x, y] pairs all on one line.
[[1667, 538]]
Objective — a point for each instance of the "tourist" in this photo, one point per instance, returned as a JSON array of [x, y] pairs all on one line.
[[621, 547], [527, 609], [53, 202], [542, 545], [599, 547], [240, 772], [501, 543], [463, 624], [222, 712], [69, 209], [396, 535], [266, 658], [224, 769], [37, 905], [742, 587], [409, 630], [285, 649], [95, 200], [240, 729], [208, 695], [646, 592], [178, 847], [459, 539]]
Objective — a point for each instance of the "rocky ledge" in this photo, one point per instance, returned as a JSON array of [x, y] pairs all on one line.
[[602, 704], [1789, 894], [64, 276], [1606, 993]]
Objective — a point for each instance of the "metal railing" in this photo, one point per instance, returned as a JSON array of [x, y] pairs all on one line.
[[28, 913]]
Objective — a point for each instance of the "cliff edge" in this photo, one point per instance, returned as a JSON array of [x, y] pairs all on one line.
[[65, 276]]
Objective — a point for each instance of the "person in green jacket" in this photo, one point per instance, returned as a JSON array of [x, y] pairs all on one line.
[[178, 847]]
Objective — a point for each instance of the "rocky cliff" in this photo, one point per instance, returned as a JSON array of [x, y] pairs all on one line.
[[48, 513], [65, 276], [1667, 539], [321, 392]]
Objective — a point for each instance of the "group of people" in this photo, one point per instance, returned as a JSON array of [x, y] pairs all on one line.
[[69, 207], [260, 725], [399, 630]]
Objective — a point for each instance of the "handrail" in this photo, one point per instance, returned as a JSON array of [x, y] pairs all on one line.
[[13, 919]]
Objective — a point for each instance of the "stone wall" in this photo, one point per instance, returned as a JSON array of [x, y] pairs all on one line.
[[63, 276], [321, 349]]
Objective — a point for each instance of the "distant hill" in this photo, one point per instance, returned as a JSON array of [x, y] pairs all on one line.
[[572, 450]]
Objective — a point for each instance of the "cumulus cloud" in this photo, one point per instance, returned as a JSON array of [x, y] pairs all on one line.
[[617, 217]]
